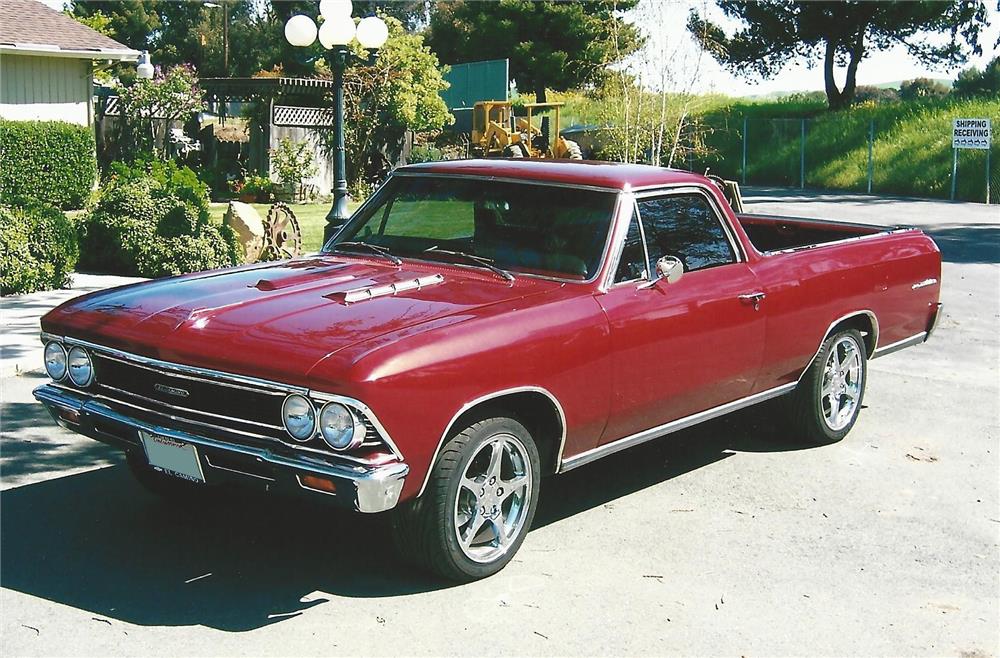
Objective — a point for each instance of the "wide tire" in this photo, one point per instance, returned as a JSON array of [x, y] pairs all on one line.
[[825, 405], [479, 502], [161, 484], [573, 151]]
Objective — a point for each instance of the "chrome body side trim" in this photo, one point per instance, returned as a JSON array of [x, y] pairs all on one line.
[[376, 488], [673, 426], [492, 396], [923, 284], [915, 339], [848, 316]]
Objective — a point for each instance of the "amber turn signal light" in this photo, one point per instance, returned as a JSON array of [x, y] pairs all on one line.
[[318, 483]]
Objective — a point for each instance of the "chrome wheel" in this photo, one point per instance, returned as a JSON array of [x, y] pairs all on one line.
[[493, 498], [842, 384]]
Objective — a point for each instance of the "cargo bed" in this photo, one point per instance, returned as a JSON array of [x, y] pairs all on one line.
[[770, 233]]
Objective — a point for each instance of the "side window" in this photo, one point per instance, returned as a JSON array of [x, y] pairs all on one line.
[[632, 265], [685, 226]]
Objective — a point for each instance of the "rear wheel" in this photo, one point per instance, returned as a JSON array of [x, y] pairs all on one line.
[[478, 504], [826, 403]]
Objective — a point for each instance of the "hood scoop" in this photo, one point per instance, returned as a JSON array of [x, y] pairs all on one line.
[[385, 290]]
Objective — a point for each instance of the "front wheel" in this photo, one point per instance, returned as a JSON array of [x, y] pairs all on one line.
[[826, 403], [478, 504]]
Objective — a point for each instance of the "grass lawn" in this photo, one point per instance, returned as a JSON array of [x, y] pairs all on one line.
[[311, 216]]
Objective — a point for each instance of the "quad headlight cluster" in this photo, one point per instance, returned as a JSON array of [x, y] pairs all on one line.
[[76, 365], [337, 424]]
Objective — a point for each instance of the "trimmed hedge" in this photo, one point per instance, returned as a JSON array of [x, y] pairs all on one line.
[[151, 219], [38, 248], [52, 162]]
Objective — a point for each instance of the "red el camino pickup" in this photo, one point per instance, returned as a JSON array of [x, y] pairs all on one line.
[[477, 325]]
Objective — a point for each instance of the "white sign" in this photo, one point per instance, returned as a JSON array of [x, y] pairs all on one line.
[[971, 133]]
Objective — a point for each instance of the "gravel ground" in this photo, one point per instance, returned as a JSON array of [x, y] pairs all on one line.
[[727, 539]]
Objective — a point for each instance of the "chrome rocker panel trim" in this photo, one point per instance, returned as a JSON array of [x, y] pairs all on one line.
[[915, 339], [574, 461], [375, 489]]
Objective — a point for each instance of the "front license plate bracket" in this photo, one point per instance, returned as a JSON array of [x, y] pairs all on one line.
[[173, 457]]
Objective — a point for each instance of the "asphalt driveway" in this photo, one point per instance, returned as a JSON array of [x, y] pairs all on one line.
[[727, 539]]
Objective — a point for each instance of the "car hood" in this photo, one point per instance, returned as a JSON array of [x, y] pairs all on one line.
[[276, 321]]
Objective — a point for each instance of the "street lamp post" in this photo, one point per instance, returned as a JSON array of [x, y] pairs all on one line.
[[336, 33]]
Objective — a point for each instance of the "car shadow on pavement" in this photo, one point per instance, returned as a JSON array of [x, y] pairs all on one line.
[[660, 460], [240, 560]]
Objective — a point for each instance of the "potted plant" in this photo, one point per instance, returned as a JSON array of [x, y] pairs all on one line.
[[253, 189]]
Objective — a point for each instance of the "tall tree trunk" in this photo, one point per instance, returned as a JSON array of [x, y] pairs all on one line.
[[833, 95], [850, 84], [540, 92]]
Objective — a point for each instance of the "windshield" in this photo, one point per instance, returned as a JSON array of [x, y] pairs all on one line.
[[537, 229]]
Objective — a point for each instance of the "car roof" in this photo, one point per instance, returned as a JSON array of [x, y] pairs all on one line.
[[612, 175]]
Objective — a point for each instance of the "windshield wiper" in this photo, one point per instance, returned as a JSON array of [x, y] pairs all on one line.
[[482, 261], [376, 249]]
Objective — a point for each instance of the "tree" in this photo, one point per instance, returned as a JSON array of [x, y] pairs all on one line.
[[168, 97], [973, 82], [921, 88], [556, 45], [774, 32], [399, 91]]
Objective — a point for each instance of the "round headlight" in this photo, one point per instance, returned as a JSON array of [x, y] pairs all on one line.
[[340, 428], [55, 361], [299, 417], [81, 370]]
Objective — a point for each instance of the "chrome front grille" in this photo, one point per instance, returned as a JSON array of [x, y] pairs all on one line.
[[216, 405]]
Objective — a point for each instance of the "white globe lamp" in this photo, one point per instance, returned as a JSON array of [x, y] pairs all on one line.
[[372, 32], [330, 9], [300, 30], [336, 31]]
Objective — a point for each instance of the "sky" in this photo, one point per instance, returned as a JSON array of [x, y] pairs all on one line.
[[664, 20]]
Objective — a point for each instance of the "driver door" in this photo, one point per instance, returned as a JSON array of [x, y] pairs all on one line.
[[684, 347]]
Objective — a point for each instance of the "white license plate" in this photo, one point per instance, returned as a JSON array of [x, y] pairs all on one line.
[[174, 457]]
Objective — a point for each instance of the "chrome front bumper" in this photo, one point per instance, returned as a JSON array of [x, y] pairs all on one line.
[[363, 488]]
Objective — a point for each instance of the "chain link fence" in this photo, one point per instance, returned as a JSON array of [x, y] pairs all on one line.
[[850, 152]]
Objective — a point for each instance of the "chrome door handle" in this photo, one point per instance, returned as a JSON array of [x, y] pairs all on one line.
[[754, 298]]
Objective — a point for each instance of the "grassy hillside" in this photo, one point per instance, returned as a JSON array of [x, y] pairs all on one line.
[[911, 153]]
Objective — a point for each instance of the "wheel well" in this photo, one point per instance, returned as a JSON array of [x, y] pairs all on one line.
[[865, 323], [535, 410]]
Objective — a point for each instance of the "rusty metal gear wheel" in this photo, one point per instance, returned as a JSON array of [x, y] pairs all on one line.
[[282, 234]]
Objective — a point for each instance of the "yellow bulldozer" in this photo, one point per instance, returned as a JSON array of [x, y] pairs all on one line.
[[497, 133]]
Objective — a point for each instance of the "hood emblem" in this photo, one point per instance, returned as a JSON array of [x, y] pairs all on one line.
[[170, 390], [371, 292]]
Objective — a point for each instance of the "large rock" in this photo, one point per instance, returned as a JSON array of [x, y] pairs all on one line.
[[249, 227]]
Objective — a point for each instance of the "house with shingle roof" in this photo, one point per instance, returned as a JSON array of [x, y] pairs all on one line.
[[47, 62]]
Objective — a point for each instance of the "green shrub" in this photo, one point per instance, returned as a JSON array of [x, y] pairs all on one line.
[[151, 219], [51, 162], [38, 248], [425, 154]]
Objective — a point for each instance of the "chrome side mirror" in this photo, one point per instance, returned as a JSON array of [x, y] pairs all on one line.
[[668, 268]]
